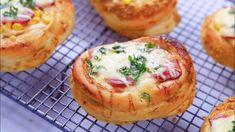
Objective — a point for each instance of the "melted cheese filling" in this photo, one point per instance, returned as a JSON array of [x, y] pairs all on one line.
[[11, 32], [113, 62], [222, 124], [224, 22]]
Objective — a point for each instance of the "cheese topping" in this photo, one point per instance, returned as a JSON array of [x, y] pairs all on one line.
[[224, 124], [131, 62], [225, 22], [19, 16]]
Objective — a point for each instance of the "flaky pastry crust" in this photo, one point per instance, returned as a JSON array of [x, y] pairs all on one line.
[[168, 99], [138, 19], [33, 47], [219, 48], [226, 108]]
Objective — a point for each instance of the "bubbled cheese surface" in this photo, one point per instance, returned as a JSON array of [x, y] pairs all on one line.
[[224, 22], [113, 62]]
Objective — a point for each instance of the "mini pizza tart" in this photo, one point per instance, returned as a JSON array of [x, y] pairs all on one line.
[[31, 29], [138, 18], [150, 77], [222, 118], [218, 36]]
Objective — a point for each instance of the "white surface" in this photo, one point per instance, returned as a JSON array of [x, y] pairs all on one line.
[[15, 118]]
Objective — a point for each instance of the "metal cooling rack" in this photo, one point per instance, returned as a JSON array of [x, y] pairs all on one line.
[[45, 90]]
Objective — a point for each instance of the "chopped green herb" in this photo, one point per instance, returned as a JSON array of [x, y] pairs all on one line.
[[233, 129], [137, 67], [146, 96], [125, 71], [12, 12], [93, 69], [158, 67], [138, 59], [97, 58], [27, 3], [103, 50], [118, 49], [89, 63], [149, 45]]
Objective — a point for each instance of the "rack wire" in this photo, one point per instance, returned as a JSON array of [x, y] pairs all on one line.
[[45, 90]]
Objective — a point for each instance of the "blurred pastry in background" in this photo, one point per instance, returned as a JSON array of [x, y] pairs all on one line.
[[222, 118], [30, 31], [138, 18], [218, 36]]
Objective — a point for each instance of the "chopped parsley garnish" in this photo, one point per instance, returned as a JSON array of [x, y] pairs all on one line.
[[146, 96], [137, 67], [147, 47], [233, 130], [125, 71], [103, 50], [118, 49], [93, 69], [97, 58], [158, 67], [27, 3], [89, 63], [12, 12]]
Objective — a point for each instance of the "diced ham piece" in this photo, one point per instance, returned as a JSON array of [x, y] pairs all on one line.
[[229, 37], [169, 73], [119, 85], [44, 3], [116, 83]]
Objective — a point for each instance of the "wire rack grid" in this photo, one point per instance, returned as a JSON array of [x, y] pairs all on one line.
[[45, 90]]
